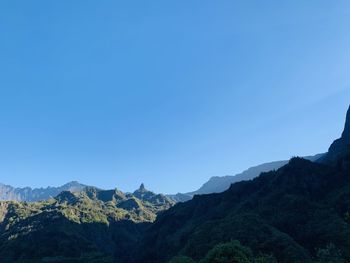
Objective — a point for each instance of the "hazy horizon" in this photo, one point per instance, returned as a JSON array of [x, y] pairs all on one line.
[[117, 94]]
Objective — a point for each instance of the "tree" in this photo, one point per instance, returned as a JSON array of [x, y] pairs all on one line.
[[330, 254], [181, 259], [232, 252]]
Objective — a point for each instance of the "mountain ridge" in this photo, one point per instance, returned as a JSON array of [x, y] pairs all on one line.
[[298, 213], [215, 184], [91, 225], [218, 184], [10, 193]]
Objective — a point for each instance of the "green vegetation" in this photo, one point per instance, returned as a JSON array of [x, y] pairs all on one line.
[[181, 259], [330, 254], [231, 252], [87, 226], [297, 214], [291, 214]]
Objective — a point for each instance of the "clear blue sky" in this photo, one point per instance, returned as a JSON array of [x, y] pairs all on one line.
[[169, 93]]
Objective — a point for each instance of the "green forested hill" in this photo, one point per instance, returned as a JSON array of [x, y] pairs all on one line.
[[87, 226]]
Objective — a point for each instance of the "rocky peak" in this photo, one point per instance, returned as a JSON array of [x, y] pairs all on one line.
[[346, 132], [142, 187], [142, 193], [66, 196], [340, 148]]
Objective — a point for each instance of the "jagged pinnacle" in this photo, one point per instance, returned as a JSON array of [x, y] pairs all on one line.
[[142, 187], [340, 148]]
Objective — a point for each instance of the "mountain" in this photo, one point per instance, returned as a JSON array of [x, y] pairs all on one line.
[[90, 225], [218, 184], [215, 184], [147, 196], [27, 194], [290, 214], [299, 213], [9, 193], [180, 197], [340, 148]]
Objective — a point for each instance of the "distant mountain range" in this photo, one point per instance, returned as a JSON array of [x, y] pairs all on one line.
[[91, 223], [299, 213], [28, 194], [218, 184]]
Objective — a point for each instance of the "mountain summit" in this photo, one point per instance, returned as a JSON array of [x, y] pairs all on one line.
[[145, 195], [142, 188]]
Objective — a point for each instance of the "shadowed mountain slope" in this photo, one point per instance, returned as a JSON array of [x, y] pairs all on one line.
[[218, 184], [299, 213], [340, 148], [289, 213]]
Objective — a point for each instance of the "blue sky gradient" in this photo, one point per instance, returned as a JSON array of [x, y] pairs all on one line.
[[169, 93]]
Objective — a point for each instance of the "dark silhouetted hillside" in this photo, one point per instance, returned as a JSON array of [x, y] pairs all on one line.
[[299, 213], [218, 184]]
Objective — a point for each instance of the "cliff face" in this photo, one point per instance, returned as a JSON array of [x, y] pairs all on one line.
[[339, 151], [3, 210], [346, 132]]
